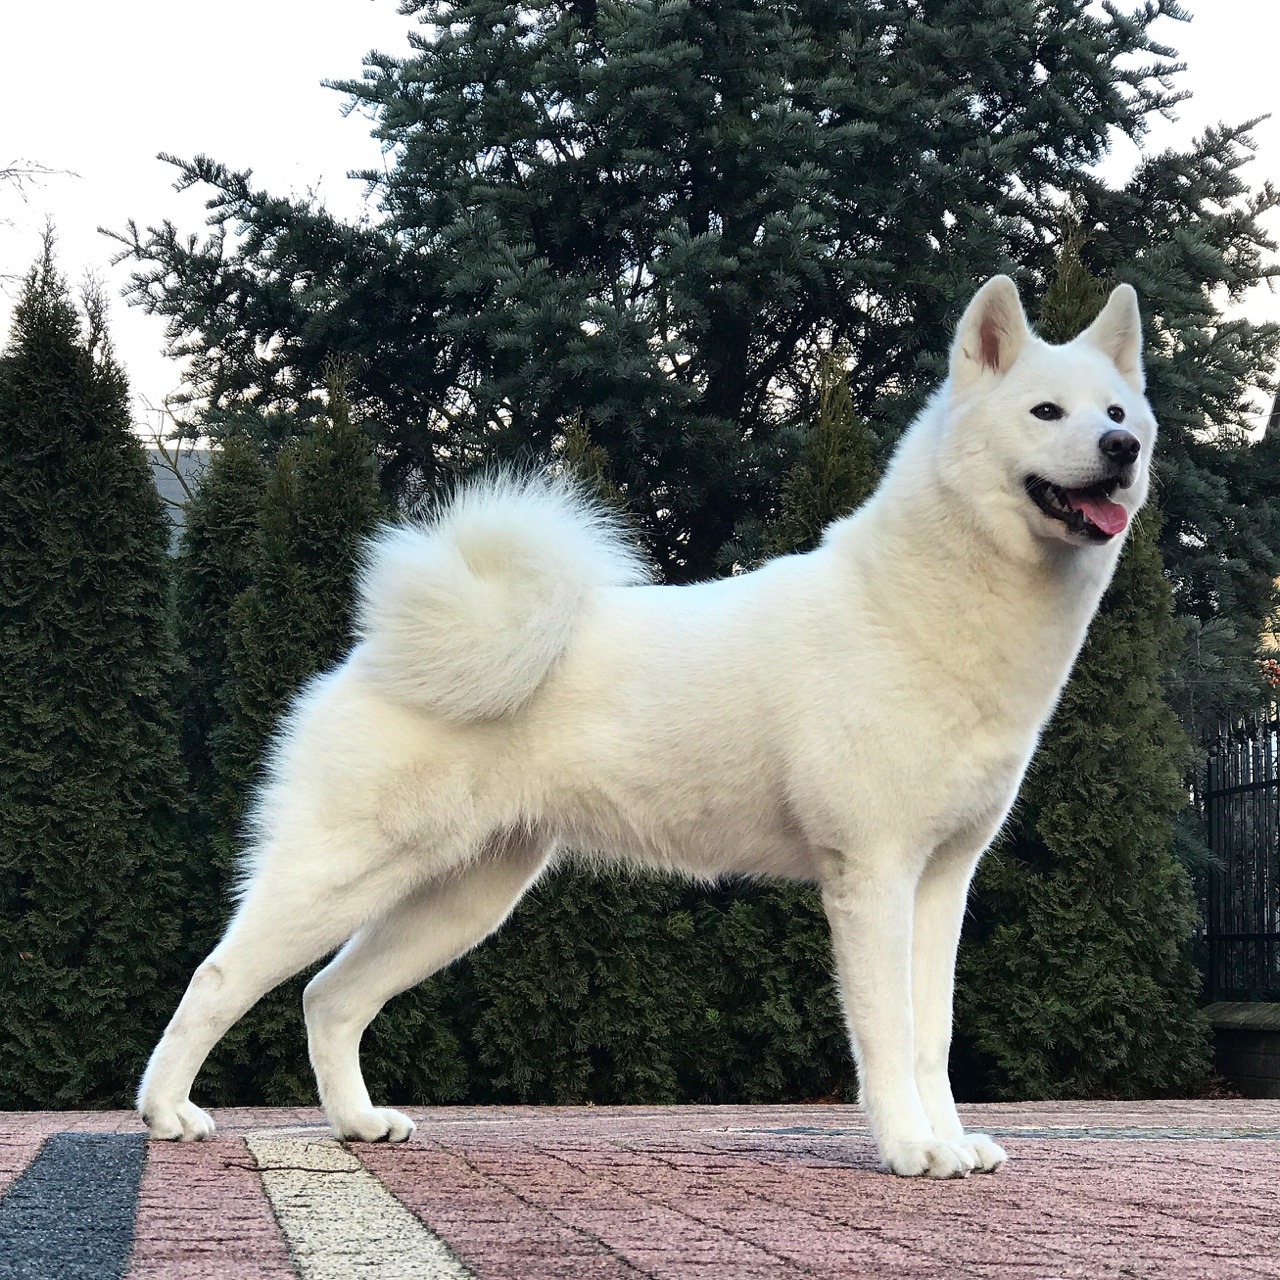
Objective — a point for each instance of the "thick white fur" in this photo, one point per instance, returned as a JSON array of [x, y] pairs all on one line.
[[464, 615], [860, 716]]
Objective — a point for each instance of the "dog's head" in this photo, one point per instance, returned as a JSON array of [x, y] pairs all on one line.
[[1053, 440]]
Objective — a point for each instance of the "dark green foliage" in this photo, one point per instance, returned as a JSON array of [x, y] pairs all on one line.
[[834, 473], [213, 568], [294, 618], [1076, 978], [291, 621], [646, 215], [773, 1030], [591, 993], [628, 989], [1075, 295], [639, 222], [90, 780]]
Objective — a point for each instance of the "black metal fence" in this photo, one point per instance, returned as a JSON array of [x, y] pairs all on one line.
[[1242, 811]]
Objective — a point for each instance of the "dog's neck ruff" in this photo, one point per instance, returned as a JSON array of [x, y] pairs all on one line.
[[1004, 623]]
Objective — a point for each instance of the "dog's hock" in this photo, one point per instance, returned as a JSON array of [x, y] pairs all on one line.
[[1117, 333], [992, 332]]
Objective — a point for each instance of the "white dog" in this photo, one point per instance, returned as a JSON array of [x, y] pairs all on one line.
[[860, 716]]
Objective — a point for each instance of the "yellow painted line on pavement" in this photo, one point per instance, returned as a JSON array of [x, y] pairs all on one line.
[[340, 1221]]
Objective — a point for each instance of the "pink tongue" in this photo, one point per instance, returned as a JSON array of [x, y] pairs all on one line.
[[1109, 516]]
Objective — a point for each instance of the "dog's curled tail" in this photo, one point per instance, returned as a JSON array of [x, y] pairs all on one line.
[[465, 613]]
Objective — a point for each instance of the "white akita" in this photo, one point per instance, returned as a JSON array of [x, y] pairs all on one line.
[[860, 716]]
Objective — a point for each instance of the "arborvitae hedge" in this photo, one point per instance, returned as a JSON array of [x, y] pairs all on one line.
[[91, 789], [292, 621], [1076, 975], [835, 472], [1076, 978], [727, 186], [213, 568]]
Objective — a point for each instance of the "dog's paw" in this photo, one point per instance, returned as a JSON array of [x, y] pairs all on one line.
[[987, 1156], [378, 1124], [928, 1159], [183, 1123]]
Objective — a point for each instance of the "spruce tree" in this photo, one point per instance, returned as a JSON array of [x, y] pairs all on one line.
[[646, 214], [91, 788], [1188, 234], [1076, 978]]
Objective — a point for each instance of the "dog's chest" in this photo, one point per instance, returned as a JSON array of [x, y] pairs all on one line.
[[964, 782], [928, 778]]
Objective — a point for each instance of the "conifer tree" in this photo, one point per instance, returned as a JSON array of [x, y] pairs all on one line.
[[1076, 978], [592, 991], [645, 214], [642, 217], [834, 474], [294, 618], [1188, 234], [777, 1031], [291, 621], [90, 780], [213, 568]]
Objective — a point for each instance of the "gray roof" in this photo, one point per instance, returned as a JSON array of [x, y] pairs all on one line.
[[191, 462]]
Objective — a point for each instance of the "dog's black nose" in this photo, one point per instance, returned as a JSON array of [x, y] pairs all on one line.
[[1120, 447]]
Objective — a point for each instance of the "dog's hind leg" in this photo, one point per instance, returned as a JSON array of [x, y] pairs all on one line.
[[302, 903], [419, 935]]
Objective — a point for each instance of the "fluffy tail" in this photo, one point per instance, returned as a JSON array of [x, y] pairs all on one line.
[[465, 613]]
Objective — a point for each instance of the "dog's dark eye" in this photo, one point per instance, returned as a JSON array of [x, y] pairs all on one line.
[[1047, 412], [1115, 413]]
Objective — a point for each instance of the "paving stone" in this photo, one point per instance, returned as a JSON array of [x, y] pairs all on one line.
[[1183, 1190]]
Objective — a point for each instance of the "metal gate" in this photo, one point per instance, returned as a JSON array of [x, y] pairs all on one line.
[[1242, 812]]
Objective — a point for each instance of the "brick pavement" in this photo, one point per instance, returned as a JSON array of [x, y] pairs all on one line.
[[1173, 1190]]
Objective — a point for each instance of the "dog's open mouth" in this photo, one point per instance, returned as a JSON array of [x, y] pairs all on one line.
[[1088, 512]]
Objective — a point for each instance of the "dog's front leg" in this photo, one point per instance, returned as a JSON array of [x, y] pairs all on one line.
[[871, 905], [939, 915]]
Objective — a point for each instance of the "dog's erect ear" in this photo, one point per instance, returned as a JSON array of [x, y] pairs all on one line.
[[1117, 333], [992, 331]]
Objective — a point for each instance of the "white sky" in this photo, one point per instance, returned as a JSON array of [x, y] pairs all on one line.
[[99, 88]]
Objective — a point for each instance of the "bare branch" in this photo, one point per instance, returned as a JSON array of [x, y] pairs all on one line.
[[183, 436], [23, 174]]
